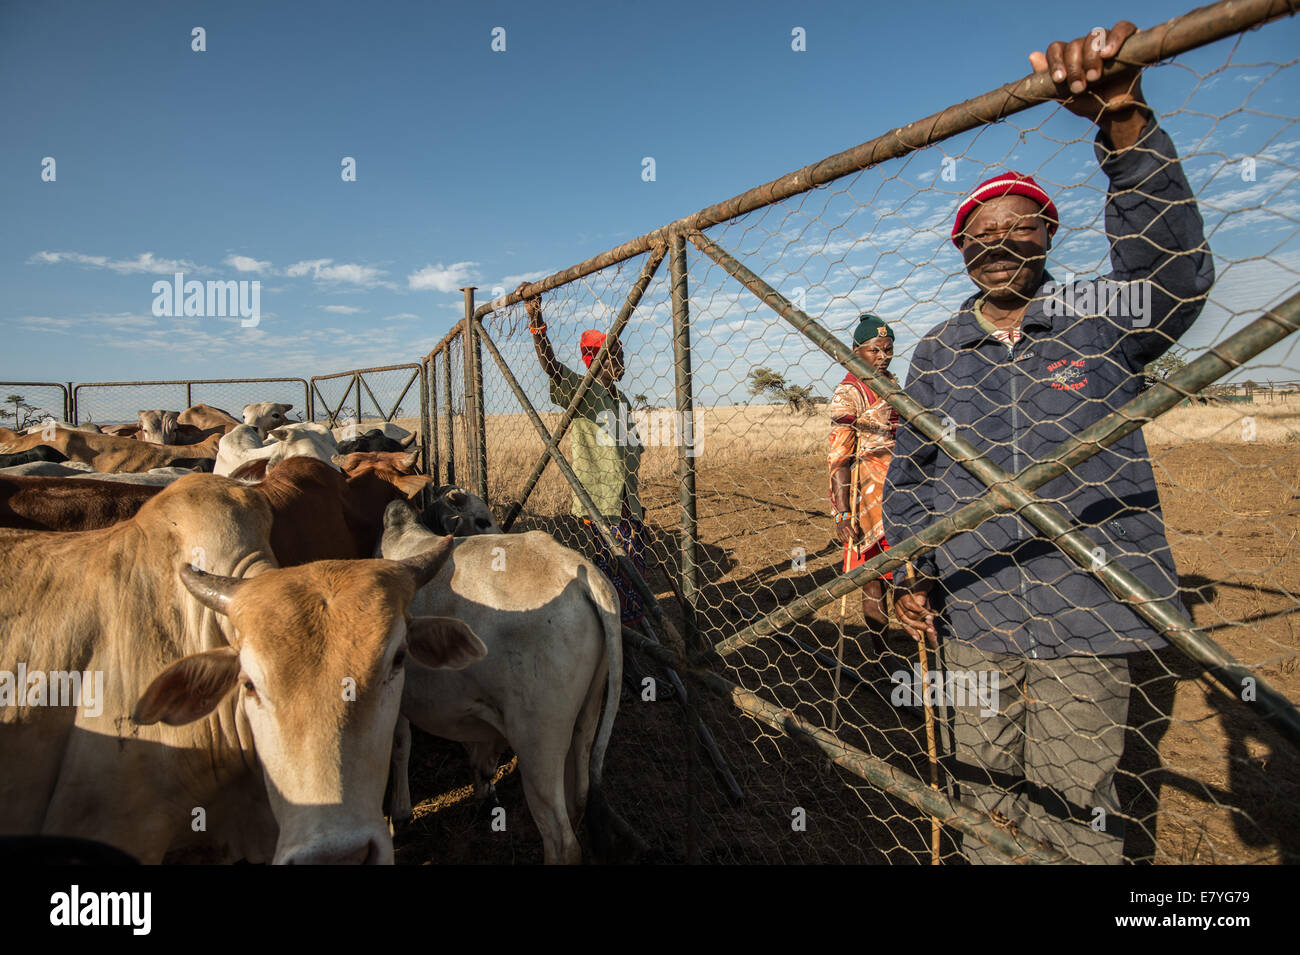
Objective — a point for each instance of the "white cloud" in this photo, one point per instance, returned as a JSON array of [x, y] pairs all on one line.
[[351, 273], [403, 316], [244, 263], [44, 323], [324, 270], [299, 269], [144, 263], [436, 278], [342, 309]]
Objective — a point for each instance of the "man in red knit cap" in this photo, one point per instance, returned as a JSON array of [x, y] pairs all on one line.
[[606, 462], [1017, 371]]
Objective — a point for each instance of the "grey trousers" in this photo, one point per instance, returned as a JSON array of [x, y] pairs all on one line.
[[1045, 761]]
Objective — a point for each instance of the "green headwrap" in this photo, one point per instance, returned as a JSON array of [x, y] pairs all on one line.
[[870, 326]]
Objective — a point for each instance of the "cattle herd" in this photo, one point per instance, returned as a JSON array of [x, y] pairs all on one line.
[[224, 666]]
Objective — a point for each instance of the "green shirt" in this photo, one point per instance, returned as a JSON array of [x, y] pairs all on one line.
[[606, 466]]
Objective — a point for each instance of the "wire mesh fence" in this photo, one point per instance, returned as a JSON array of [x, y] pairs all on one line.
[[119, 402], [28, 403], [1051, 724]]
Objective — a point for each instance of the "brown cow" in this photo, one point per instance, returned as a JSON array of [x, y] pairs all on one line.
[[318, 513], [106, 453], [206, 416], [63, 504]]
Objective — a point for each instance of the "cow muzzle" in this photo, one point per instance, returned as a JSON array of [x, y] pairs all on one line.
[[367, 847]]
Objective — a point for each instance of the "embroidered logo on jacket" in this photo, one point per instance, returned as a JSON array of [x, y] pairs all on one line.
[[1067, 375]]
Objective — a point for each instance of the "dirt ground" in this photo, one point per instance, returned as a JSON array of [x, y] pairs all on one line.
[[1210, 784]]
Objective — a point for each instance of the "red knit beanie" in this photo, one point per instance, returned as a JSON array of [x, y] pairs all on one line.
[[1009, 183], [590, 344]]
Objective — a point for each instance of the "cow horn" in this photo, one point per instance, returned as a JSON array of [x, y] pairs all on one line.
[[212, 590], [425, 567]]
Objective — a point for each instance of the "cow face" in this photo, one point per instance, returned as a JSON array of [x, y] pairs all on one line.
[[265, 416], [158, 427], [456, 511], [318, 673]]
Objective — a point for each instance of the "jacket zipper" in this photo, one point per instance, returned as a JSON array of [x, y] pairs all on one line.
[[1014, 362]]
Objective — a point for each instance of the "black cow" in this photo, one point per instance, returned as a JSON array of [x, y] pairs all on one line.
[[372, 440], [42, 452]]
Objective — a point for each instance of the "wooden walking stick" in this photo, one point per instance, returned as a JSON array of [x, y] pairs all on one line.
[[929, 737], [839, 644]]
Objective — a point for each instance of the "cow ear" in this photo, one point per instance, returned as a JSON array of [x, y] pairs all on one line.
[[412, 484], [443, 643], [280, 434], [424, 567], [189, 689]]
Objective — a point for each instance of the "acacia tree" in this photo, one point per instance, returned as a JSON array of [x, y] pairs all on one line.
[[797, 398], [21, 411]]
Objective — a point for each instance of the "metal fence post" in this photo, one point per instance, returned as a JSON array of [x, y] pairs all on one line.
[[476, 423], [685, 436], [424, 418], [433, 455], [449, 406], [469, 346], [689, 525]]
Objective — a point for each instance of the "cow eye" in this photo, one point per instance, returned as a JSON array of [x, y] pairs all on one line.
[[249, 688], [484, 522], [399, 658]]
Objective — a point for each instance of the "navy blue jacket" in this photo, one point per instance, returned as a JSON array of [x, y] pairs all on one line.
[[1003, 586]]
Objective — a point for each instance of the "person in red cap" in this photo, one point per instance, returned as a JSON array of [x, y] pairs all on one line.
[[1018, 370], [605, 456]]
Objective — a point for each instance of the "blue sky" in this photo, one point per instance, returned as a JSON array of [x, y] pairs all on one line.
[[489, 167]]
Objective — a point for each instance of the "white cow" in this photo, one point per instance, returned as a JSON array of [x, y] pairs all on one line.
[[238, 446], [160, 477], [300, 439], [550, 621], [265, 415]]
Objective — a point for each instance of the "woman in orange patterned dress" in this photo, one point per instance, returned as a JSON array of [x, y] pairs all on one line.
[[863, 426]]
